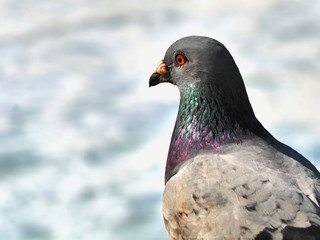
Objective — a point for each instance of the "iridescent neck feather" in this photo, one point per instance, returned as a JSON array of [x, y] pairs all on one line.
[[200, 126]]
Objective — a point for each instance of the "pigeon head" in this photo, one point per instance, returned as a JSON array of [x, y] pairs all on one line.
[[205, 64], [214, 107], [195, 59]]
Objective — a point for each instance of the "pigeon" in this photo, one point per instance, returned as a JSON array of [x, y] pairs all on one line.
[[226, 176]]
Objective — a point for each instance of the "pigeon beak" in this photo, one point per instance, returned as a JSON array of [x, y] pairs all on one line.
[[160, 75], [157, 78]]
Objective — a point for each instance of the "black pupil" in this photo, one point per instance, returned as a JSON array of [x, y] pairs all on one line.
[[180, 59]]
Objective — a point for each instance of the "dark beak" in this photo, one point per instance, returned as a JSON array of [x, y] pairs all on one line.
[[154, 79], [157, 78]]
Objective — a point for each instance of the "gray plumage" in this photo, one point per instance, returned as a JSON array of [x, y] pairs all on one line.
[[227, 177], [240, 191]]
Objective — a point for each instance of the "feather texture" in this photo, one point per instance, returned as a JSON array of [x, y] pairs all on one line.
[[238, 193]]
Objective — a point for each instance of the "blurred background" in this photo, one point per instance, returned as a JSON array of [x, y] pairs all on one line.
[[84, 140]]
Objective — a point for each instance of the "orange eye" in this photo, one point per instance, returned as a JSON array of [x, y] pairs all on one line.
[[180, 59]]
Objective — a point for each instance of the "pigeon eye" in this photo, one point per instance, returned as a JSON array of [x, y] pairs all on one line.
[[180, 59]]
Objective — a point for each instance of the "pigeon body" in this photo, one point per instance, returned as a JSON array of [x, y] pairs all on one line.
[[226, 176]]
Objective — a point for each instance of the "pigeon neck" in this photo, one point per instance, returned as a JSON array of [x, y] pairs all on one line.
[[200, 126]]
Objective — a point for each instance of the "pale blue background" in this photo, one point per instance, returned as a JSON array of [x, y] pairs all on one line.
[[84, 140]]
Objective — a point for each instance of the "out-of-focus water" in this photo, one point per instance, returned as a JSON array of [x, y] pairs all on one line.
[[84, 140]]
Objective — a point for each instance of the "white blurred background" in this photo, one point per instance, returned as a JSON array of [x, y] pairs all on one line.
[[83, 138]]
